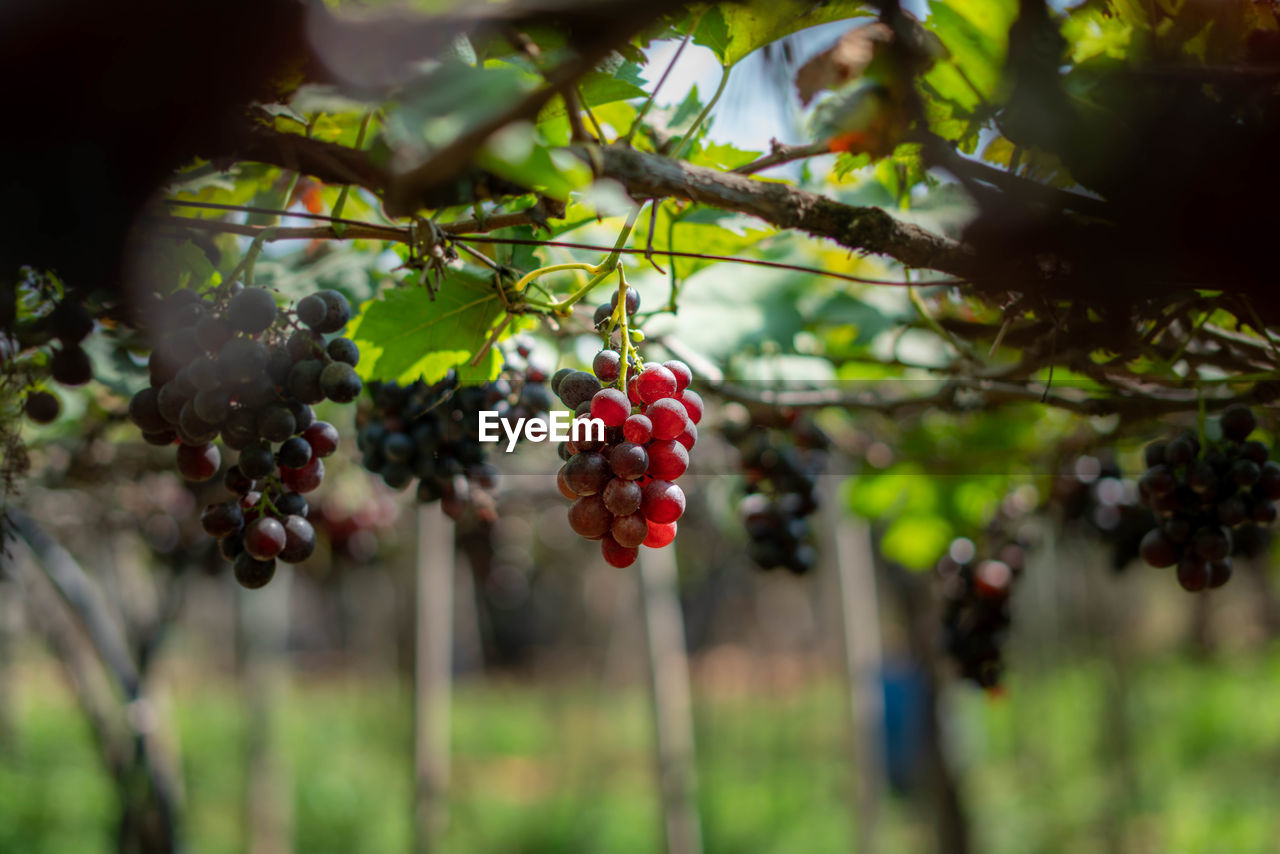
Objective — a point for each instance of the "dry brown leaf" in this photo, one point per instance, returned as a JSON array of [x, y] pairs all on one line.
[[844, 61]]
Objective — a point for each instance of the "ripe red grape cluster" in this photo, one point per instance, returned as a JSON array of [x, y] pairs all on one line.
[[234, 366], [1200, 494], [976, 614], [780, 477], [623, 487], [431, 432]]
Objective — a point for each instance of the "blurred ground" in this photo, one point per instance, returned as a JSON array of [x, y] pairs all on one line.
[[565, 765]]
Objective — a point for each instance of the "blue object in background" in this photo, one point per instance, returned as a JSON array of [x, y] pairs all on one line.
[[905, 724]]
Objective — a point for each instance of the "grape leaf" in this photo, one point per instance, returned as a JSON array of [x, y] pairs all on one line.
[[722, 155], [733, 30], [405, 334]]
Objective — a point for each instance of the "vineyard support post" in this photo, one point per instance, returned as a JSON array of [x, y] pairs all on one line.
[[851, 564], [433, 660], [264, 617], [671, 699]]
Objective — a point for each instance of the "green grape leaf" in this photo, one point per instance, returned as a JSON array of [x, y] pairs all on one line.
[[515, 154], [722, 155], [713, 32], [975, 34], [733, 30], [405, 334]]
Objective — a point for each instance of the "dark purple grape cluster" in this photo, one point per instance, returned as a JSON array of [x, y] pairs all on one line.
[[1093, 497], [234, 366], [780, 469], [976, 614], [431, 433], [1200, 494], [62, 323]]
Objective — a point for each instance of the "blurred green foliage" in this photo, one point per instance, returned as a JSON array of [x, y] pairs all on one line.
[[567, 767]]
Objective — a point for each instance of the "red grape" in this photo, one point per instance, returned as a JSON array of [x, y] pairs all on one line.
[[616, 554], [667, 459], [198, 462], [633, 389], [639, 429], [622, 497], [299, 540], [660, 535], [692, 404], [629, 460], [607, 365], [669, 418], [610, 406], [264, 538], [586, 473], [322, 437], [661, 501], [689, 437], [305, 479], [681, 372], [223, 519], [589, 517], [630, 531], [655, 383], [563, 486]]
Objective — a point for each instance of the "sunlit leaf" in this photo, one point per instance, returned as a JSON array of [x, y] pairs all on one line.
[[404, 334]]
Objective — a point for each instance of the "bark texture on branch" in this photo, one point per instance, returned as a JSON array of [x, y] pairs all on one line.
[[866, 229], [863, 229]]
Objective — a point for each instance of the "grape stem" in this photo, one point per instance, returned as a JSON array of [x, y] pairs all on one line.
[[340, 228], [599, 272], [618, 320], [250, 256]]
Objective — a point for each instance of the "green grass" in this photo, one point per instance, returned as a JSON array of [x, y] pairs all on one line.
[[567, 768]]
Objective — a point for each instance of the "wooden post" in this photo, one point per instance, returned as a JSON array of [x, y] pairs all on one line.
[[433, 672], [268, 805], [851, 564], [671, 698]]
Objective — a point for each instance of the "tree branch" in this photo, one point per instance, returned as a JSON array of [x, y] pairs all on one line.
[[82, 598], [780, 153], [864, 229]]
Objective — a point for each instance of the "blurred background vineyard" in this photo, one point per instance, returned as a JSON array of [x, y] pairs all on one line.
[[1132, 718]]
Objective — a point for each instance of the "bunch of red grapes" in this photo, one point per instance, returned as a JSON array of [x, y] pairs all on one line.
[[1201, 494], [234, 366], [623, 487]]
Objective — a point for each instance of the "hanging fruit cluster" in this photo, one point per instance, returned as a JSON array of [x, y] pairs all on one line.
[[1092, 497], [622, 484], [976, 592], [431, 433], [1201, 493], [232, 365], [780, 470]]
